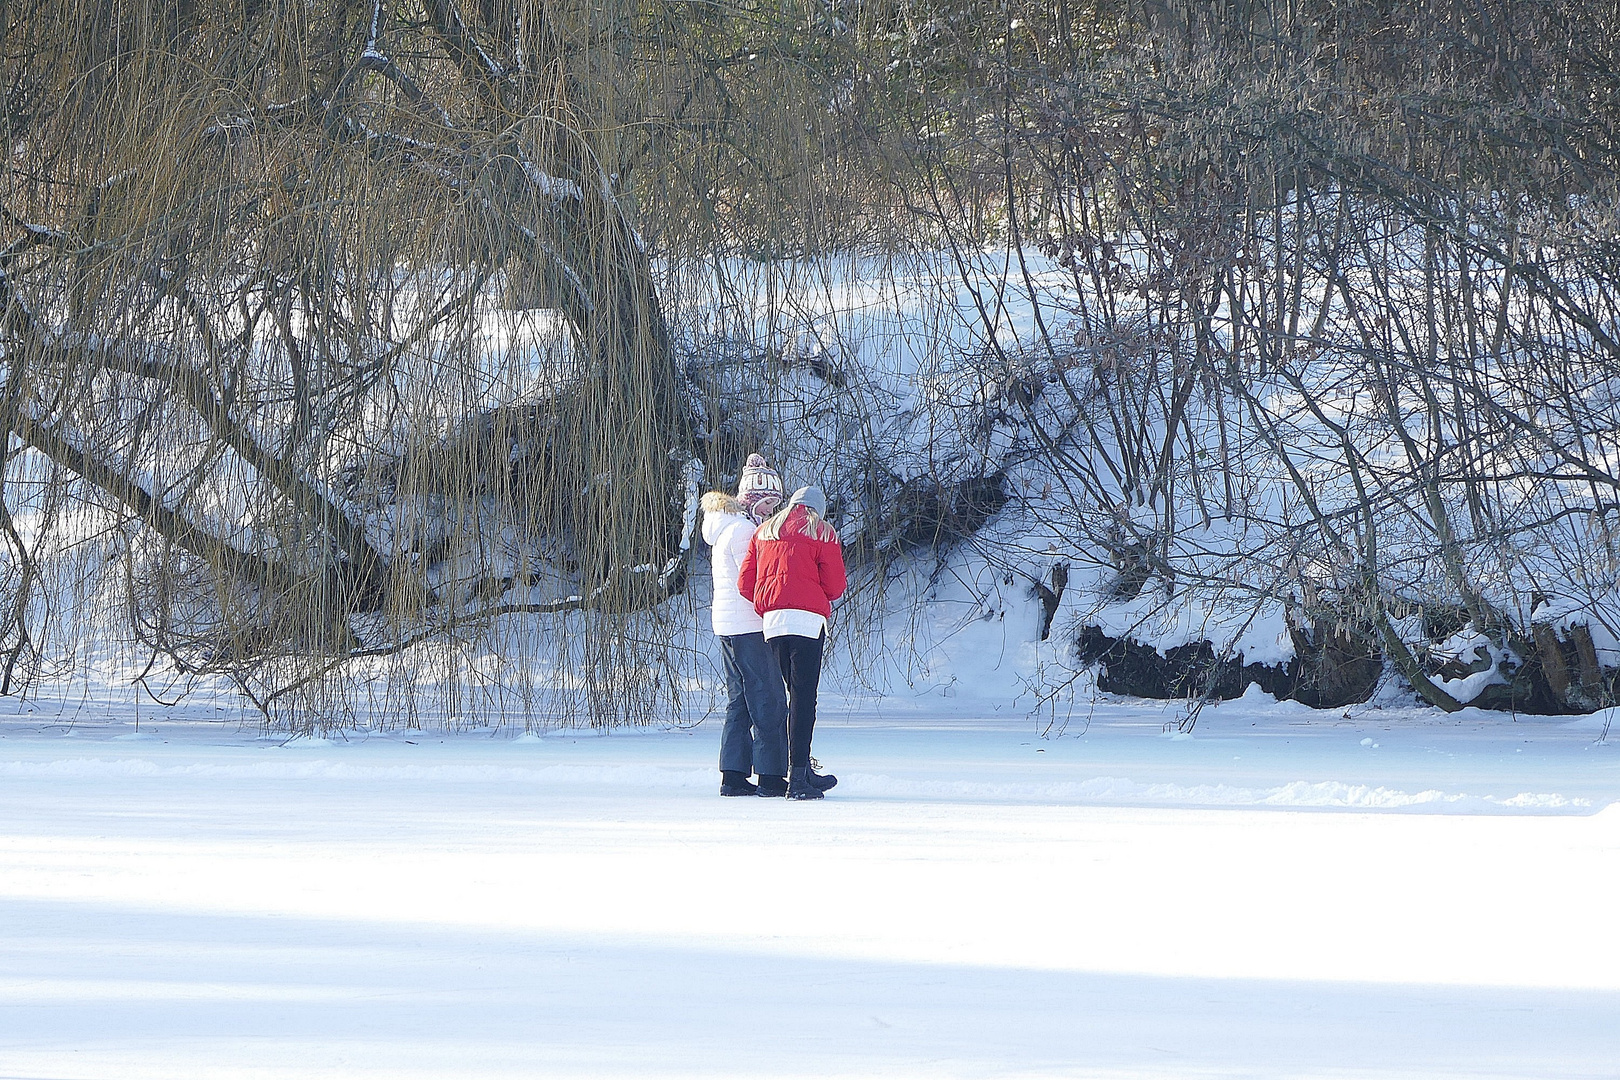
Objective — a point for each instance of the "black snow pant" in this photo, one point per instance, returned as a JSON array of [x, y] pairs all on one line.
[[800, 660]]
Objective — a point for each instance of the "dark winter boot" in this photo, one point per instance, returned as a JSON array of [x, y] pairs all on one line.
[[799, 786], [772, 787], [820, 781], [736, 783]]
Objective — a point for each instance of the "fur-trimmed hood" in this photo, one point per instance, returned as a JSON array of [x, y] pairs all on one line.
[[718, 502], [720, 513]]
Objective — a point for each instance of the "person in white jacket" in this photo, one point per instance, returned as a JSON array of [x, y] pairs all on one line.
[[754, 738]]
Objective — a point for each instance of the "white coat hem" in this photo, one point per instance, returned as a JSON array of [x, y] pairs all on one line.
[[795, 621]]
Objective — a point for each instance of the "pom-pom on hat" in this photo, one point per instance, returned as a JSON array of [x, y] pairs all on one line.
[[759, 488]]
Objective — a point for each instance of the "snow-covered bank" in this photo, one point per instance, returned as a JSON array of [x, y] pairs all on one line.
[[973, 900]]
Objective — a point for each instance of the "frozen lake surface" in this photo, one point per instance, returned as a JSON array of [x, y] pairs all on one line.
[[1287, 893]]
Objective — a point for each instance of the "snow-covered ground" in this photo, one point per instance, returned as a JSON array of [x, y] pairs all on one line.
[[1286, 893]]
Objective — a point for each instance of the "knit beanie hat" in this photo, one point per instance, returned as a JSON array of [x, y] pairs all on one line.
[[812, 497], [759, 488]]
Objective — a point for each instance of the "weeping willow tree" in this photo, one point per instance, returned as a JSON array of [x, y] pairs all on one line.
[[329, 333], [329, 320]]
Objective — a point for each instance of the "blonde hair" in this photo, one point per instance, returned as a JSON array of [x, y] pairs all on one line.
[[815, 526]]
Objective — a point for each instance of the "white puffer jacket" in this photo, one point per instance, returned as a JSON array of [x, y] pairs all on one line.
[[727, 529]]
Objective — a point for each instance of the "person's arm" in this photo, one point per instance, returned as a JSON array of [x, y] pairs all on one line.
[[834, 578], [750, 568]]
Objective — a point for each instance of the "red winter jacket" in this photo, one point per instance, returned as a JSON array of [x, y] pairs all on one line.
[[794, 571]]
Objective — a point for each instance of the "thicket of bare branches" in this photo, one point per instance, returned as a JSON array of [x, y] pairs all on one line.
[[1337, 328]]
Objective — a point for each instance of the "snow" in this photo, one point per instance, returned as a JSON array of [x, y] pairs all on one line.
[[553, 187], [1268, 899]]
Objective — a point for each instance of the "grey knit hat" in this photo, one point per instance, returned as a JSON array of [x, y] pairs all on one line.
[[811, 497]]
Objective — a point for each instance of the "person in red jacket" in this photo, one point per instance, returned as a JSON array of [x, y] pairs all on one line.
[[792, 573]]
